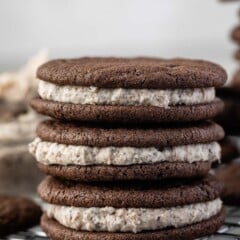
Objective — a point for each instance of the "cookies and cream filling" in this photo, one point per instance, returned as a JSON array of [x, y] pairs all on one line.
[[127, 97], [135, 220], [54, 153]]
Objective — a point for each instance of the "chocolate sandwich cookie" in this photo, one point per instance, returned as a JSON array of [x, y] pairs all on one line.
[[236, 34], [103, 153], [129, 90], [131, 210], [17, 213], [229, 176]]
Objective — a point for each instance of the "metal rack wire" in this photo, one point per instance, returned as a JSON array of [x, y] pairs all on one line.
[[229, 231]]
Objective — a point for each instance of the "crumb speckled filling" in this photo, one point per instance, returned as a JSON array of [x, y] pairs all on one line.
[[127, 97], [135, 220], [54, 153]]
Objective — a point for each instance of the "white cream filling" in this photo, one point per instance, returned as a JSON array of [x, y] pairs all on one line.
[[55, 153], [120, 96], [132, 219]]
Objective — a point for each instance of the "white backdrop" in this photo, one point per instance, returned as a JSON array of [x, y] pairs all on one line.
[[70, 28]]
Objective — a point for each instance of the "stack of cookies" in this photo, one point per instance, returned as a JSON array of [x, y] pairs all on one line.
[[129, 148]]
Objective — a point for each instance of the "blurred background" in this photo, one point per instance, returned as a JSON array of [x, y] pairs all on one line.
[[186, 28]]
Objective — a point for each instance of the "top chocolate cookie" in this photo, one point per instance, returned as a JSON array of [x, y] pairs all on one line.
[[133, 73]]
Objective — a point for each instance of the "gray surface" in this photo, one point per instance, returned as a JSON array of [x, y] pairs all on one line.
[[229, 231]]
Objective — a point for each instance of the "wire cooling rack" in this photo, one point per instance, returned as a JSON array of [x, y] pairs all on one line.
[[229, 231]]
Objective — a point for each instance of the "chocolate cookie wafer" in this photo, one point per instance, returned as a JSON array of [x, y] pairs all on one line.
[[104, 153]]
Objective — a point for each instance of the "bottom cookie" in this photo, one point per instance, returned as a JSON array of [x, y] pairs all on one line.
[[58, 232], [158, 171]]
